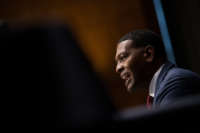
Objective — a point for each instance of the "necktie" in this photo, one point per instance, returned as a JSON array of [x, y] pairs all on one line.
[[149, 101]]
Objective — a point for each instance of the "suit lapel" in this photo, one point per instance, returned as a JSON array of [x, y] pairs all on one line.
[[167, 66]]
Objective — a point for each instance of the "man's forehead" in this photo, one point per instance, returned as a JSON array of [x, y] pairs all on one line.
[[124, 46]]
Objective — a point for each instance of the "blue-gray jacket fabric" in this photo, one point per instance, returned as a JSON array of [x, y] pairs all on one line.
[[175, 83]]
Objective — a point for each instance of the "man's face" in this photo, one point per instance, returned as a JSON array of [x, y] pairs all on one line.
[[130, 64]]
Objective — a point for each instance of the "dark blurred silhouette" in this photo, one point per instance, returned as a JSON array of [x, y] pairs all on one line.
[[47, 65]]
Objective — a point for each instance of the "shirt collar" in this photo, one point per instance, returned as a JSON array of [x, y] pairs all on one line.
[[152, 86]]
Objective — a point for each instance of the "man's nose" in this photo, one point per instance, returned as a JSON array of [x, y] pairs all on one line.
[[119, 68]]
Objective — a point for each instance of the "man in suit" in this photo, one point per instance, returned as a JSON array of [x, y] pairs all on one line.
[[142, 63]]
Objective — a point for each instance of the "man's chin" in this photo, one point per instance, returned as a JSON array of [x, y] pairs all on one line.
[[130, 88]]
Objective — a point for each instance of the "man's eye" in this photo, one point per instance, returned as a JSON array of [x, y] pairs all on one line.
[[122, 58]]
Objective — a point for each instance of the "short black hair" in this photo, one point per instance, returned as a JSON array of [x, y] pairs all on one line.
[[143, 38]]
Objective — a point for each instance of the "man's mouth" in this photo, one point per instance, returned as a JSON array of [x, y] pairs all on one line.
[[125, 76]]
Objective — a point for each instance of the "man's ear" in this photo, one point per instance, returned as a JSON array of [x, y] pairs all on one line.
[[149, 53]]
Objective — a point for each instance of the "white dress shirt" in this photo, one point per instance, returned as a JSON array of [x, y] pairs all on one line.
[[152, 86]]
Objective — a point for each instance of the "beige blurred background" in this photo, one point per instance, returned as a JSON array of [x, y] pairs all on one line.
[[98, 25]]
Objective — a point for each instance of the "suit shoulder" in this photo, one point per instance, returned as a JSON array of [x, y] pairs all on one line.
[[178, 79], [181, 73], [178, 83]]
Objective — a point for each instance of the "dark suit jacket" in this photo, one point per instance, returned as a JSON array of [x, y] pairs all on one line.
[[175, 83]]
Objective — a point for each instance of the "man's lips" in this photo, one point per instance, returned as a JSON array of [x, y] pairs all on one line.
[[125, 76]]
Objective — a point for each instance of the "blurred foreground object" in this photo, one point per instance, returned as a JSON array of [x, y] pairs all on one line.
[[46, 64]]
